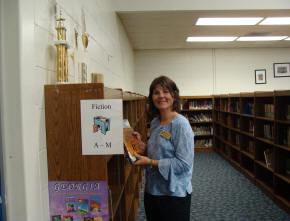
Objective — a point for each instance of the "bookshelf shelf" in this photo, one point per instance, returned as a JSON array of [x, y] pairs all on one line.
[[283, 147], [283, 177], [199, 111], [283, 122], [204, 122], [265, 118], [65, 160], [248, 154], [252, 130], [264, 187], [247, 115]]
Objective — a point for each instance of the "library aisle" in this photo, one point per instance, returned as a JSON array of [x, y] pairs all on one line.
[[221, 193]]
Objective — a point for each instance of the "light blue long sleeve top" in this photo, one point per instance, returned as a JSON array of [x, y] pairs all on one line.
[[175, 155]]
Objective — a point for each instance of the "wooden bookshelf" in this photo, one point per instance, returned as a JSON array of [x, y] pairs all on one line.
[[65, 161], [199, 111], [248, 126]]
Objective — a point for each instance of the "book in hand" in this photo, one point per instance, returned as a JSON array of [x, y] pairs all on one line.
[[131, 144]]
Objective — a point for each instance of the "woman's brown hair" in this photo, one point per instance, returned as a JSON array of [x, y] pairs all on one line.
[[164, 82]]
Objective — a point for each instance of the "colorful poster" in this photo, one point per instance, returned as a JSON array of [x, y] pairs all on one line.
[[78, 201], [102, 126]]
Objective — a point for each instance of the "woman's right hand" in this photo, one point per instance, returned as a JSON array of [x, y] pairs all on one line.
[[142, 145]]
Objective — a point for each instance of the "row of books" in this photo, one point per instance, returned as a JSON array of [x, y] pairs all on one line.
[[200, 118], [268, 131], [250, 147], [203, 143], [236, 123], [269, 110], [236, 138], [251, 126], [288, 112], [234, 107], [196, 104], [248, 109], [202, 130], [285, 136]]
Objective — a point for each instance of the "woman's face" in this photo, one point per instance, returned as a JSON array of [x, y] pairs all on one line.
[[162, 98]]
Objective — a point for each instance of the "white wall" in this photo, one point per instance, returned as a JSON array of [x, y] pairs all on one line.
[[235, 69], [28, 56], [11, 120], [211, 71], [160, 5]]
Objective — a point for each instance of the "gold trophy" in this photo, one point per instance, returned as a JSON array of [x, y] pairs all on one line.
[[61, 51], [85, 35]]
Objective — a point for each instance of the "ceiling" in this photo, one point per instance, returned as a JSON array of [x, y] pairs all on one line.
[[169, 29]]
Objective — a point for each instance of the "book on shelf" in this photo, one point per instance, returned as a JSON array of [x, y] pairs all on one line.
[[288, 112], [287, 169], [285, 136], [237, 139], [251, 147], [199, 118], [234, 107], [268, 154], [202, 130], [251, 127], [268, 131], [248, 108], [228, 120], [269, 110], [203, 143], [228, 137], [200, 104], [237, 123], [224, 106]]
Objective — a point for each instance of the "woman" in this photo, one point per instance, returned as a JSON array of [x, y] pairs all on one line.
[[169, 160]]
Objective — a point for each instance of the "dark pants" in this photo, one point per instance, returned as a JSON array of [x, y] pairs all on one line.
[[167, 208]]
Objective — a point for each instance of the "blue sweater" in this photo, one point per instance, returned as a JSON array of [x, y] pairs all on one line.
[[175, 155]]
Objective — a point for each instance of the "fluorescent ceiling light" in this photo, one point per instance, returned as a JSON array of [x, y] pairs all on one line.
[[287, 39], [210, 39], [262, 38], [276, 21], [229, 21]]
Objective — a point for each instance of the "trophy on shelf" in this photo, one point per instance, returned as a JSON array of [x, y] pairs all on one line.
[[85, 36], [61, 51]]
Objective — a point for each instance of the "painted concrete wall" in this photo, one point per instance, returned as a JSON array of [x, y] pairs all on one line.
[[28, 58], [211, 71]]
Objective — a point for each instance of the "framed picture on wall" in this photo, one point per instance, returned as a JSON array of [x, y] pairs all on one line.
[[260, 76], [281, 70]]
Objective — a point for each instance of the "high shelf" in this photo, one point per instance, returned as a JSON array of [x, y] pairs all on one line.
[[252, 131], [198, 110], [63, 134]]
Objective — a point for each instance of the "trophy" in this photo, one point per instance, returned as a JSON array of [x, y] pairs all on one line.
[[61, 51]]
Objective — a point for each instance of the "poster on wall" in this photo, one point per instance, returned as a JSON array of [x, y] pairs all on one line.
[[78, 201], [102, 126]]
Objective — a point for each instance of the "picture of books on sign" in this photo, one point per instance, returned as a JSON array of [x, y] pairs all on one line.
[[71, 204], [131, 144], [101, 124], [56, 218], [78, 201], [83, 207], [68, 218]]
